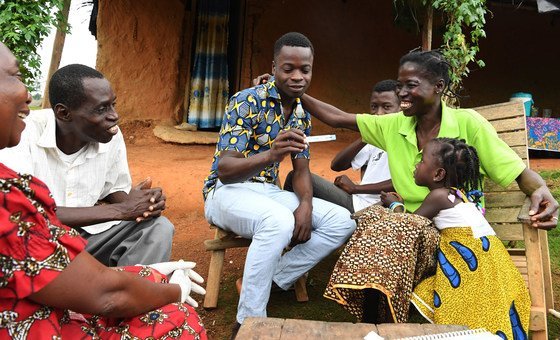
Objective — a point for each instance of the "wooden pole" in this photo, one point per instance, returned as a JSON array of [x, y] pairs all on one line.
[[427, 29], [57, 51]]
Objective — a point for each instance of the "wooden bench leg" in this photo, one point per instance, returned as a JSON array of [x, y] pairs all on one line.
[[301, 289], [213, 281]]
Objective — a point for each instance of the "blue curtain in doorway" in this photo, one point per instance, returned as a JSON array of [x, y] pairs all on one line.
[[209, 78]]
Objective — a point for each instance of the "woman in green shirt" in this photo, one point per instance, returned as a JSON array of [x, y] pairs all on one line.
[[423, 79], [381, 260]]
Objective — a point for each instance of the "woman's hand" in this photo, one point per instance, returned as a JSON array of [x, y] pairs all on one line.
[[182, 274], [262, 79], [544, 209], [184, 278], [167, 268], [543, 212]]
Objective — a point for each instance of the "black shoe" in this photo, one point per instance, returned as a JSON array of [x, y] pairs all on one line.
[[234, 330]]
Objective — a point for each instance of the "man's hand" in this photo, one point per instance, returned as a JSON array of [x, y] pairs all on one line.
[[345, 183], [145, 184], [262, 79], [302, 228], [287, 142], [143, 202], [544, 209]]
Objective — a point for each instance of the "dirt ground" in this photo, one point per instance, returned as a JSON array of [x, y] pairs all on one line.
[[180, 171]]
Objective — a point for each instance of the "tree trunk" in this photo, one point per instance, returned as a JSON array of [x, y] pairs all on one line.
[[57, 51], [427, 29]]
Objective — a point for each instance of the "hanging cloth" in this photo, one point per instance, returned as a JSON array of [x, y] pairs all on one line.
[[209, 78]]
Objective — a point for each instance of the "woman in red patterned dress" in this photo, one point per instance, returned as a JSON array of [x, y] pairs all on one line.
[[49, 286]]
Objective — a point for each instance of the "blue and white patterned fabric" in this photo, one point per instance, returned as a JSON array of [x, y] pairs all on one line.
[[252, 121], [209, 78]]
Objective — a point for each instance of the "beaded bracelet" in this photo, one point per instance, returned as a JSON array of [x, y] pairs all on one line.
[[394, 205]]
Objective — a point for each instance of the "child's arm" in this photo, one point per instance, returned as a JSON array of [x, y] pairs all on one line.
[[437, 199], [390, 197]]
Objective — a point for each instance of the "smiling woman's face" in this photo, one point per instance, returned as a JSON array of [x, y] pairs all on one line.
[[14, 99], [417, 92]]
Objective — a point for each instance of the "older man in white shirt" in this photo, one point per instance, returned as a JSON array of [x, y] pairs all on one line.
[[79, 152]]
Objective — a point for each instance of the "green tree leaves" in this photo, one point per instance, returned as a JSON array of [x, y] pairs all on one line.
[[464, 27], [23, 26]]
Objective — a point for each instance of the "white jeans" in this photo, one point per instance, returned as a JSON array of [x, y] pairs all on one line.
[[264, 213]]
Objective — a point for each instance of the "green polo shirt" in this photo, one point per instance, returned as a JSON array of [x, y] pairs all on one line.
[[396, 134]]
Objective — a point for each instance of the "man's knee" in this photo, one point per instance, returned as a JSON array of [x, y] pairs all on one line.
[[342, 222], [279, 224]]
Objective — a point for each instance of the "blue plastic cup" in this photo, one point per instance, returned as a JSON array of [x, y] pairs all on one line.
[[527, 100]]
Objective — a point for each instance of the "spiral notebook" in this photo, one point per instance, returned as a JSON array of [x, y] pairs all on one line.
[[472, 334]]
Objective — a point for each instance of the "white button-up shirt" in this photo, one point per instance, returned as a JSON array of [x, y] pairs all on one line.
[[78, 180]]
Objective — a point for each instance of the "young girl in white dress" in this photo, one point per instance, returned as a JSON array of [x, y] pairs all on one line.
[[476, 283]]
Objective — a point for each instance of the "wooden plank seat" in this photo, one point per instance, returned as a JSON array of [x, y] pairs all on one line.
[[217, 246], [278, 329], [507, 210]]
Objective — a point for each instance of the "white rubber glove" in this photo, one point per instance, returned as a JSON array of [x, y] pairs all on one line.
[[179, 278], [191, 274], [167, 268], [181, 274]]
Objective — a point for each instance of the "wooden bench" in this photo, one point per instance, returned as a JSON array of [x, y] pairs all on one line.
[[225, 240], [275, 329], [508, 211]]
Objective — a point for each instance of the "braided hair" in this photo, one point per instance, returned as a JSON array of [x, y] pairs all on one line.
[[461, 165], [434, 64]]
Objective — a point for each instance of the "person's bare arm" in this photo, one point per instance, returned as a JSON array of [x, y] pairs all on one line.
[[142, 202], [544, 208], [343, 160], [346, 184], [104, 291], [326, 113], [329, 114], [303, 189], [435, 201], [233, 167]]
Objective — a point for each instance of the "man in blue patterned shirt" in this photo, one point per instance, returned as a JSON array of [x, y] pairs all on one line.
[[262, 125]]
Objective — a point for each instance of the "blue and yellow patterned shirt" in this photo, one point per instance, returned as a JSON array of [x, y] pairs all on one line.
[[252, 121]]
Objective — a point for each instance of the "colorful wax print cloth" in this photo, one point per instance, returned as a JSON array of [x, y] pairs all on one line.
[[543, 133], [35, 247], [172, 321], [476, 284], [389, 252]]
